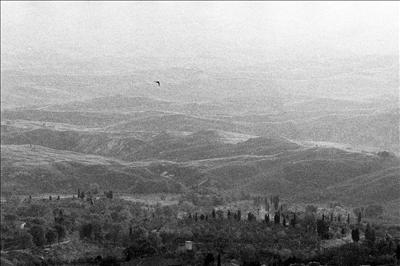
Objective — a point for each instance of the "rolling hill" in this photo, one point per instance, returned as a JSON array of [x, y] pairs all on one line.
[[42, 170], [173, 163], [365, 124]]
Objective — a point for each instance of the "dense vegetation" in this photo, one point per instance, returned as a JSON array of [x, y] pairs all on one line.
[[273, 235]]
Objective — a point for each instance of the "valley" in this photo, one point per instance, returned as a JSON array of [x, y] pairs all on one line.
[[117, 169]]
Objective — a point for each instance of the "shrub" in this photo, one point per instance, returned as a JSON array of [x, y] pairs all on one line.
[[139, 248], [61, 232], [373, 211], [25, 240], [37, 233], [51, 236], [86, 231]]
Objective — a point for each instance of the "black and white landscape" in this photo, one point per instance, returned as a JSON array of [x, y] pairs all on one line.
[[200, 133]]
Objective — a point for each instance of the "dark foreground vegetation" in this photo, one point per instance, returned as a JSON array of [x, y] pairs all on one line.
[[94, 229]]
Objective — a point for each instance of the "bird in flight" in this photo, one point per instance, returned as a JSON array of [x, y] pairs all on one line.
[[159, 84]]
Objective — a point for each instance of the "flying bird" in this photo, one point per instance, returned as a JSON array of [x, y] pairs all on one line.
[[157, 83]]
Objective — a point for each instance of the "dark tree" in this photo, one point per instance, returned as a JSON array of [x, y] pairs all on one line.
[[348, 218], [25, 240], [370, 234], [58, 197], [355, 235], [140, 247], [51, 236], [277, 218], [38, 236], [239, 215], [331, 216], [229, 214], [86, 231], [359, 217], [398, 252], [50, 198], [293, 221], [339, 218], [209, 259], [59, 219], [202, 217], [61, 231], [266, 218], [323, 229]]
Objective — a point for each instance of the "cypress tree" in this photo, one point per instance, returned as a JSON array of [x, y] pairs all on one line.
[[277, 218], [266, 218], [370, 234], [294, 220], [355, 235]]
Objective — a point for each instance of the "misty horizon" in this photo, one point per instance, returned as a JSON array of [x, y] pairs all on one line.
[[236, 30]]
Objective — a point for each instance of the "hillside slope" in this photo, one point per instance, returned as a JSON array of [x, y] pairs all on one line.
[[44, 170]]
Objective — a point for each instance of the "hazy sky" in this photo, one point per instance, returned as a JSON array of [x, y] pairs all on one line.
[[200, 28]]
